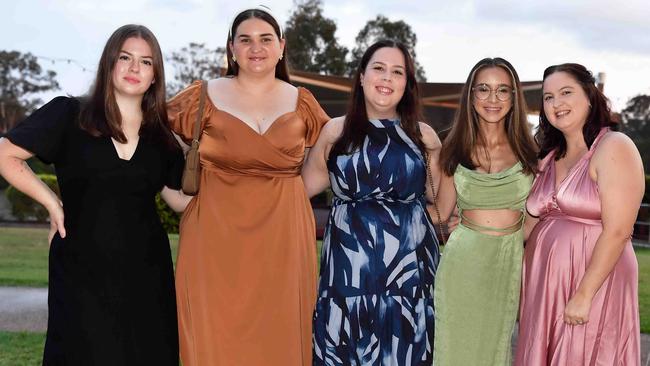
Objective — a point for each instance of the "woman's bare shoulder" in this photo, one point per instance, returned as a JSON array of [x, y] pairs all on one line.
[[429, 136]]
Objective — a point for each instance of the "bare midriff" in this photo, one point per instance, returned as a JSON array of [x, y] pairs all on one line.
[[497, 222]]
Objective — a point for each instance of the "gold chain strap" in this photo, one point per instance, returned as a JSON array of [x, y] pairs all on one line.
[[443, 234]]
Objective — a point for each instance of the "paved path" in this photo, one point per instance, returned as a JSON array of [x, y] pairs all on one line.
[[25, 309]]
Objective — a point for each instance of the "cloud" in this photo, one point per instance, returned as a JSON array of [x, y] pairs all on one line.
[[611, 25], [610, 36]]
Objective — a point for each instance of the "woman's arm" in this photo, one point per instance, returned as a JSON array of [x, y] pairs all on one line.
[[175, 199], [314, 171], [529, 224], [185, 147], [446, 196], [618, 171], [432, 145], [16, 171]]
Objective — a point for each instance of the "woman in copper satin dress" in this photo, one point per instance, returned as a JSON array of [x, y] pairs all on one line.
[[579, 301], [246, 270]]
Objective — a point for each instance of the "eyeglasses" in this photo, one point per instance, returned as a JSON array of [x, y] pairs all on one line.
[[483, 91]]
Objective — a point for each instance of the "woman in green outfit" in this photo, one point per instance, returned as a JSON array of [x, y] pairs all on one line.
[[488, 160]]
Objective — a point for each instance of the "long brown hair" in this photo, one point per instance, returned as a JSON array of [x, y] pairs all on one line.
[[281, 69], [600, 114], [355, 126], [100, 114], [465, 134]]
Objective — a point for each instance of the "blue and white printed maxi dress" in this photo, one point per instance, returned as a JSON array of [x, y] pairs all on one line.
[[380, 254]]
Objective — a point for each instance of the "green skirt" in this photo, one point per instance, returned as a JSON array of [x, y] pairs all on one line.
[[476, 298]]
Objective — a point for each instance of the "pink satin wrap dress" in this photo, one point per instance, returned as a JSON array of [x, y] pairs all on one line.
[[556, 256]]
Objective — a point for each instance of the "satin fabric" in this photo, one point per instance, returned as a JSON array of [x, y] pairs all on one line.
[[555, 259], [476, 294], [246, 269]]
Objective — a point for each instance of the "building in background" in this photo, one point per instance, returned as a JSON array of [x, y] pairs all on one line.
[[439, 100]]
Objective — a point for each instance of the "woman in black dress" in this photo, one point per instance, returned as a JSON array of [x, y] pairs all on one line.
[[111, 289]]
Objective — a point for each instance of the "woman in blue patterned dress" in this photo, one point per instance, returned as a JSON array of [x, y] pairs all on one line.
[[380, 253]]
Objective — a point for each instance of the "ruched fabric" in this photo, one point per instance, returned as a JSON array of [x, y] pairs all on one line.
[[246, 270], [476, 292]]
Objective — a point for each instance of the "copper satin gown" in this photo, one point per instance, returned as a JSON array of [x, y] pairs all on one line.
[[555, 259], [246, 270]]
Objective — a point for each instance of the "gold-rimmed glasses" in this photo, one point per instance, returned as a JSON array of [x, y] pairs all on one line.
[[503, 92]]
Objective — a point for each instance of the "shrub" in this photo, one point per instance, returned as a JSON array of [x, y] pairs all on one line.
[[39, 167], [168, 217], [25, 208]]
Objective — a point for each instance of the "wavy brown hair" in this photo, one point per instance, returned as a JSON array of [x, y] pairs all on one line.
[[282, 68], [461, 144], [550, 138], [100, 114], [355, 126]]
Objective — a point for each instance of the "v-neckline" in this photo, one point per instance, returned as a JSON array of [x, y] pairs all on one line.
[[117, 154], [249, 127], [558, 186]]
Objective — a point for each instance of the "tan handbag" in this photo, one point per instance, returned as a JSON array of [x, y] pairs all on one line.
[[192, 171], [441, 226]]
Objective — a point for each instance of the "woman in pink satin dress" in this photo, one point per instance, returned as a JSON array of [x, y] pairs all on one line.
[[579, 301]]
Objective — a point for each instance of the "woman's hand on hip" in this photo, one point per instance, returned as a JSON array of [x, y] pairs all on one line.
[[56, 220]]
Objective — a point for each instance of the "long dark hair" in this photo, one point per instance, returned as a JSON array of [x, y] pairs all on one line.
[[100, 114], [465, 134], [600, 114], [281, 69], [355, 126]]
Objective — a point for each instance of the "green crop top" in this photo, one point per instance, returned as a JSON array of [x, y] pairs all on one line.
[[507, 189]]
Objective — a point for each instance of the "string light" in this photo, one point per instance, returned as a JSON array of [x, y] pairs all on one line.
[[69, 61]]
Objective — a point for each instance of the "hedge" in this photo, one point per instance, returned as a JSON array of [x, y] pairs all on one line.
[[168, 217], [23, 208]]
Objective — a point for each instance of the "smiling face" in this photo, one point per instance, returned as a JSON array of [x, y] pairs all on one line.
[[133, 72], [496, 84], [256, 46], [566, 104], [383, 82]]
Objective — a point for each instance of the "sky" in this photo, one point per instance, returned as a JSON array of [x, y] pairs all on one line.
[[606, 36]]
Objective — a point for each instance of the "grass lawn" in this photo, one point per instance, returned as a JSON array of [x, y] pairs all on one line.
[[23, 256], [21, 349], [643, 256], [23, 262]]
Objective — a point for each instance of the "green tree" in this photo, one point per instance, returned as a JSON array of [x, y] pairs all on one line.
[[382, 28], [311, 40], [21, 79], [636, 124], [194, 62]]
